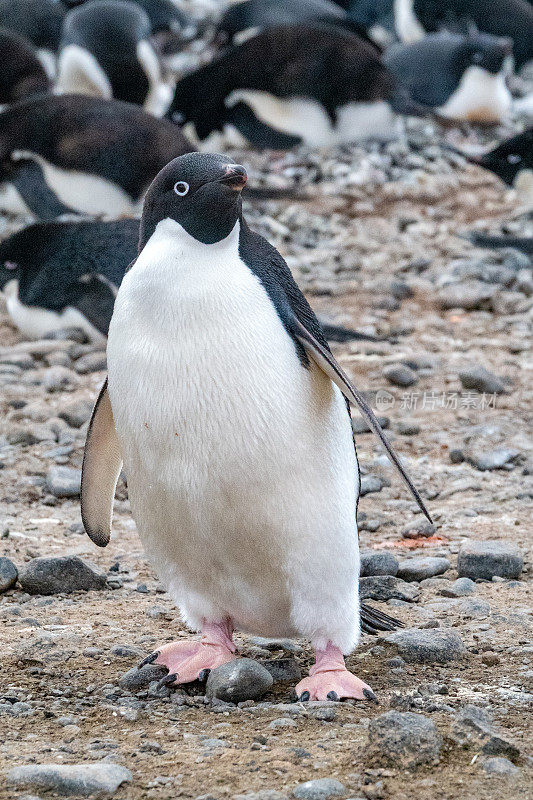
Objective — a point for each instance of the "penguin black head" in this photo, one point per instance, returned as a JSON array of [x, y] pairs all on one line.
[[200, 191], [510, 157], [486, 51]]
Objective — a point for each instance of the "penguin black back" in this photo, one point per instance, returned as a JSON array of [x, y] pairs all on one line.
[[39, 21], [510, 157], [22, 74]]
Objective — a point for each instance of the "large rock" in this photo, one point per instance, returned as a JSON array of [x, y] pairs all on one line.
[[69, 780], [64, 481], [370, 483], [77, 413], [418, 569], [458, 588], [400, 375], [387, 587], [62, 574], [405, 739], [477, 378], [470, 295], [140, 678], [8, 574], [378, 564], [473, 727], [487, 559], [319, 789], [427, 646], [498, 458], [238, 680], [500, 766]]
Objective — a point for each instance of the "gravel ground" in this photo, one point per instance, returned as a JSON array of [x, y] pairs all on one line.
[[376, 245]]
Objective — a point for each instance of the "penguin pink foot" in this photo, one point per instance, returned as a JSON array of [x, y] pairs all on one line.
[[330, 680], [186, 661]]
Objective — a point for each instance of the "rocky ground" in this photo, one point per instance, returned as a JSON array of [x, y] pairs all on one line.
[[376, 245]]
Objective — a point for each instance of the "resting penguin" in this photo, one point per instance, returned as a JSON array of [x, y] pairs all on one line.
[[229, 412], [317, 85], [66, 274], [105, 52], [23, 74], [513, 18], [164, 15], [40, 22], [65, 153], [460, 77]]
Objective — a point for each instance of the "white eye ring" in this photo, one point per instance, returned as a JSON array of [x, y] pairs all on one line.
[[181, 188]]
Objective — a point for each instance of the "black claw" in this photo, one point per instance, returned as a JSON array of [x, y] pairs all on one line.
[[203, 675], [166, 680], [149, 659], [304, 697], [333, 696], [369, 695]]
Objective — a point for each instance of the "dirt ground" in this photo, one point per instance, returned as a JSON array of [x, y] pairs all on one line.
[[56, 652]]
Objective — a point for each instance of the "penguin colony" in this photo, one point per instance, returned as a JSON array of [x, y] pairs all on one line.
[[107, 149]]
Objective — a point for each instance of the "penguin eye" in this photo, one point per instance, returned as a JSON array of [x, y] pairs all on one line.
[[181, 188], [514, 158]]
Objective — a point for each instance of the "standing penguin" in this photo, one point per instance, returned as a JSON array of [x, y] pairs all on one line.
[[23, 74], [40, 22], [105, 52], [229, 413]]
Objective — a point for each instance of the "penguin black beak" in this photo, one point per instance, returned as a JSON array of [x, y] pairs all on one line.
[[234, 176]]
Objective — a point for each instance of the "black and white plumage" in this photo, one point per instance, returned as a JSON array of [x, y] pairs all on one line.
[[460, 77], [105, 52], [164, 15], [94, 156], [512, 18], [249, 17], [228, 411], [512, 162], [66, 274], [319, 85], [22, 74], [40, 22]]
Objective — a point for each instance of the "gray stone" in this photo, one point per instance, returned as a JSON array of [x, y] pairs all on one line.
[[360, 425], [370, 483], [415, 530], [473, 727], [408, 428], [262, 794], [418, 569], [478, 379], [8, 574], [31, 434], [427, 646], [319, 789], [59, 379], [387, 587], [64, 481], [470, 295], [405, 739], [77, 413], [378, 563], [473, 608], [283, 669], [282, 722], [500, 766], [400, 375], [499, 458], [70, 779], [58, 575], [487, 559], [135, 678], [458, 588], [238, 680], [91, 362]]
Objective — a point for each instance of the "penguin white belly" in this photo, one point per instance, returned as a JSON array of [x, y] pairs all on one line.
[[407, 26], [78, 72], [35, 322], [80, 191], [307, 119], [479, 97], [241, 468]]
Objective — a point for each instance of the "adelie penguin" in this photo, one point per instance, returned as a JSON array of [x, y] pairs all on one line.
[[58, 275], [23, 74], [458, 77], [40, 22], [512, 162], [67, 274], [317, 85], [229, 413], [106, 52], [509, 18], [73, 153]]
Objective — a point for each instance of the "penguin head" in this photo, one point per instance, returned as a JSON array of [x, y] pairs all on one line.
[[510, 158], [199, 191], [486, 51]]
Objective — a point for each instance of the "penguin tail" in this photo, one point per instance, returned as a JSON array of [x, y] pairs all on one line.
[[373, 621], [338, 333]]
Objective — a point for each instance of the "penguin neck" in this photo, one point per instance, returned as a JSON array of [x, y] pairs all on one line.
[[169, 229]]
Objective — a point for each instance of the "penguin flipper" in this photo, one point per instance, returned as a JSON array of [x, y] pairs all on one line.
[[327, 363], [102, 462]]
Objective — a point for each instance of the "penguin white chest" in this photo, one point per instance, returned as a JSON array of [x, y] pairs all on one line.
[[241, 467]]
